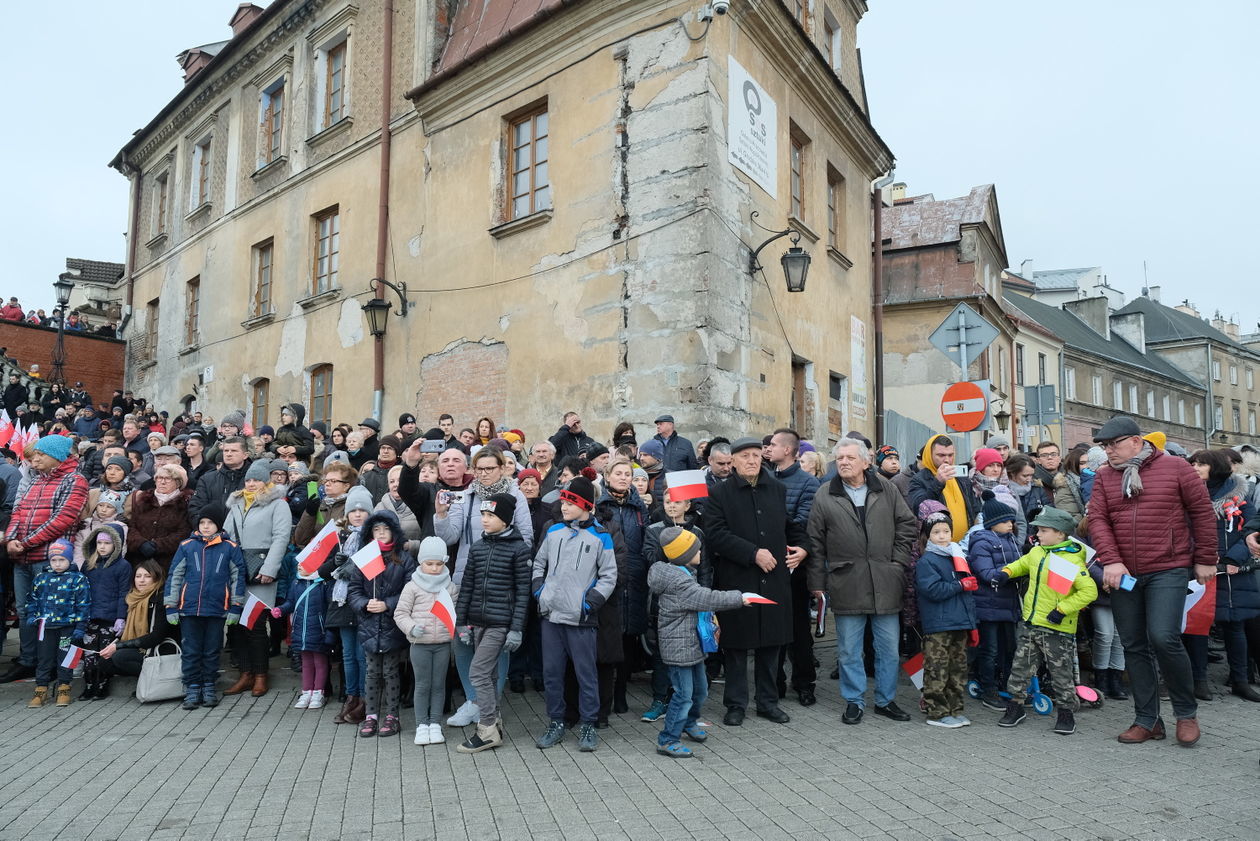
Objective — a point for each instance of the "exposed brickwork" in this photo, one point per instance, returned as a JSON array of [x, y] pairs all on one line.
[[95, 360], [469, 381]]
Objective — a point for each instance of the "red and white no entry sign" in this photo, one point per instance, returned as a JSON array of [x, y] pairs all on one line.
[[964, 407]]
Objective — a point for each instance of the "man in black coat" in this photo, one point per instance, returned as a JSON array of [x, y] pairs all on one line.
[[218, 485], [16, 395], [755, 546], [570, 439]]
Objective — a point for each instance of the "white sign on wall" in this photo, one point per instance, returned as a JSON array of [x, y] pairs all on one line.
[[752, 121], [857, 367]]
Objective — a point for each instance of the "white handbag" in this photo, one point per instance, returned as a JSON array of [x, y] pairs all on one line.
[[161, 675]]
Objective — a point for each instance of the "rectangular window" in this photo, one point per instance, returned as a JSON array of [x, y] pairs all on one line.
[[1218, 418], [1150, 402], [258, 416], [798, 178], [835, 208], [1181, 411], [271, 130], [1117, 395], [264, 253], [321, 394], [151, 330], [1198, 415], [1216, 370], [1133, 399], [161, 203], [200, 193], [1251, 379], [1251, 422], [192, 312], [1167, 407], [1041, 369], [1235, 415], [335, 85], [1233, 375], [1069, 383], [529, 163], [831, 42], [1096, 389], [327, 250], [1019, 364]]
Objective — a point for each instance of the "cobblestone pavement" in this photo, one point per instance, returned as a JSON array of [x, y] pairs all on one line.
[[256, 769]]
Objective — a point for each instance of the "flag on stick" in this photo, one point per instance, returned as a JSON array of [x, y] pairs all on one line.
[[369, 560], [1060, 573], [914, 668], [444, 609], [254, 608], [316, 552], [6, 427], [1200, 608], [757, 598], [686, 484], [72, 658]]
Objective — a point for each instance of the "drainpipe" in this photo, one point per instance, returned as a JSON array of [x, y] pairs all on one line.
[[1209, 417], [877, 289], [382, 218], [133, 239]]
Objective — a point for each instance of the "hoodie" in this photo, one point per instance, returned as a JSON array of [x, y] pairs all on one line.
[[295, 434], [109, 576], [378, 633]]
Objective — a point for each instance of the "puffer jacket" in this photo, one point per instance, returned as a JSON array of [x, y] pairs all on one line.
[[631, 518], [109, 576], [414, 614], [987, 553], [801, 488], [337, 571], [262, 532], [295, 434], [207, 578], [1237, 595], [1040, 599], [60, 598], [574, 573], [307, 603], [378, 633], [1067, 494], [680, 598], [495, 589], [46, 511], [943, 603], [1169, 525]]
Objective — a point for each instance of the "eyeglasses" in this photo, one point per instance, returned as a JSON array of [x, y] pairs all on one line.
[[335, 482], [486, 469], [1114, 442]]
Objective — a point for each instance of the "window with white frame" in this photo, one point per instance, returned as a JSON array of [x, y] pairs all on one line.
[[1133, 399], [1167, 407], [1218, 418], [1235, 415], [1251, 422], [1096, 389], [1216, 370], [1251, 379], [1150, 402], [161, 203], [199, 182], [831, 41], [271, 108], [1233, 375], [1069, 383], [1117, 395], [1198, 415], [1181, 411]]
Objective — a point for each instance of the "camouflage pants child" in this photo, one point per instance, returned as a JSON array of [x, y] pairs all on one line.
[[944, 673], [1053, 649]]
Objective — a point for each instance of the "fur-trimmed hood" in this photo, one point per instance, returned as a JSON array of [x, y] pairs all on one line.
[[116, 532]]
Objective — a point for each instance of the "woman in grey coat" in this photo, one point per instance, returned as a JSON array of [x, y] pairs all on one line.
[[260, 522]]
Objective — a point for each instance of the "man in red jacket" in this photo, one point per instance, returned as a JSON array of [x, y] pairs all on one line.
[[1150, 519]]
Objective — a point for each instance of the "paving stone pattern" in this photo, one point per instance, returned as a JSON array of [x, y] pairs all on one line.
[[256, 769]]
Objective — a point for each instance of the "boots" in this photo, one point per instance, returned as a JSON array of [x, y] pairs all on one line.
[[1117, 692], [90, 678], [260, 685], [619, 705], [102, 687], [192, 696], [346, 707], [242, 683], [1245, 691], [39, 699], [1014, 714], [63, 694], [358, 712], [1202, 690], [486, 737]]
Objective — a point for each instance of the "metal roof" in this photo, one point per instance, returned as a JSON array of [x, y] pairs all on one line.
[[1061, 278]]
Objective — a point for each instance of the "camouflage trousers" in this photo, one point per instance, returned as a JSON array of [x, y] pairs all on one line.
[[1055, 651], [944, 672]]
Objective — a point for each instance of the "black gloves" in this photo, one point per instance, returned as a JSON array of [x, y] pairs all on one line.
[[1055, 617], [148, 549], [312, 505]]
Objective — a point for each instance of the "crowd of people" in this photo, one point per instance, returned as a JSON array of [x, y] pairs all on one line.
[[75, 321], [433, 569]]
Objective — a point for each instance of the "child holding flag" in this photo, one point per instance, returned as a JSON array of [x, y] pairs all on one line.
[[426, 614], [307, 601], [337, 571], [58, 605], [206, 588], [947, 609], [383, 568], [493, 600], [1060, 589]]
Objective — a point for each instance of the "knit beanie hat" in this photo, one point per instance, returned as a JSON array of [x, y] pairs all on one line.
[[112, 498], [61, 548], [528, 473], [679, 545], [158, 436], [998, 441], [984, 457], [393, 442], [580, 492], [215, 513], [320, 427], [639, 473], [260, 470], [56, 446], [432, 549], [502, 506], [995, 512], [595, 450], [277, 464], [886, 451], [119, 461], [266, 430], [336, 455], [406, 418], [236, 418], [655, 449], [359, 499]]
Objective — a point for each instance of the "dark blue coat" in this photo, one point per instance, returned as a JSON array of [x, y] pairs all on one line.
[[1238, 595], [631, 519], [111, 577], [307, 602], [987, 553], [378, 632], [943, 604], [801, 488], [680, 454]]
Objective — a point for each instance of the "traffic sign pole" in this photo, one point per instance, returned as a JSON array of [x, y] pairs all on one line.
[[962, 355]]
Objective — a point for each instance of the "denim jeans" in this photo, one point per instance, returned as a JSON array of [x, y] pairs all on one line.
[[994, 655], [463, 659], [1148, 618], [23, 581], [352, 661], [691, 687], [850, 636], [1108, 652]]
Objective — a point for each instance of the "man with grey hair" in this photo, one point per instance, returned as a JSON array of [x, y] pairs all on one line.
[[861, 533], [542, 457]]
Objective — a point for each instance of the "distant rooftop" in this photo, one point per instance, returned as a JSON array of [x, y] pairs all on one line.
[[1061, 278], [96, 271], [922, 220]]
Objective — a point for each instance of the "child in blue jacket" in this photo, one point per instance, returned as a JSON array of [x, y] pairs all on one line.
[[307, 601], [993, 545], [947, 609], [206, 588], [60, 599]]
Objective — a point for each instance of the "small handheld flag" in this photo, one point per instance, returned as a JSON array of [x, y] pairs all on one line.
[[444, 609], [757, 598], [73, 655], [316, 552], [254, 608], [686, 484], [960, 559], [820, 621], [1200, 608], [369, 560], [1060, 573], [914, 669], [41, 629]]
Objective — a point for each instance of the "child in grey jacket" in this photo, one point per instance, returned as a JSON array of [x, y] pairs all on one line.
[[685, 632]]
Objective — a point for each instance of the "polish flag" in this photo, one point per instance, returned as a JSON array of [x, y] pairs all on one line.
[[444, 609], [317, 550], [1060, 574], [6, 427], [914, 668], [369, 560], [757, 598], [72, 658], [960, 559], [254, 608], [686, 484], [1200, 608]]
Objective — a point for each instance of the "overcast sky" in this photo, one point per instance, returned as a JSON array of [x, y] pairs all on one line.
[[1116, 131]]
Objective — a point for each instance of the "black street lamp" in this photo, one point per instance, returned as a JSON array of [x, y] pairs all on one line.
[[377, 308], [63, 285], [795, 260]]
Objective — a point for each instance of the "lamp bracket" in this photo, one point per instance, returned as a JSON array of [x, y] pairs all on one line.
[[400, 289], [755, 266]]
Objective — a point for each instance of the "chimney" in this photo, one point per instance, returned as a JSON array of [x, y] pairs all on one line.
[[897, 191], [193, 61], [245, 14], [1094, 312], [1187, 307], [1131, 327], [1231, 329], [1153, 293], [1217, 322]]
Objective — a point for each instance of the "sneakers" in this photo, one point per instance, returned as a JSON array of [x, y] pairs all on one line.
[[317, 699], [963, 720], [993, 701], [1066, 723], [209, 695], [422, 735], [1014, 714], [486, 738], [465, 715], [192, 696], [390, 726], [436, 737], [39, 699], [303, 701], [654, 713], [63, 694], [696, 733], [588, 739], [553, 736], [947, 721], [675, 749]]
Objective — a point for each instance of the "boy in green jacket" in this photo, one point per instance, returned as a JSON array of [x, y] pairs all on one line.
[[1060, 589]]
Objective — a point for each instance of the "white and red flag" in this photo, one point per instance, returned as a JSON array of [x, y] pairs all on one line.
[[254, 608], [316, 552], [1060, 573], [1200, 609], [6, 428], [73, 655], [686, 484], [757, 598], [914, 668], [369, 560], [444, 609]]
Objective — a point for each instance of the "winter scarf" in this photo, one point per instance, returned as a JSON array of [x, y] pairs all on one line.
[[162, 498], [955, 502], [137, 622], [1132, 482], [485, 491], [431, 583]]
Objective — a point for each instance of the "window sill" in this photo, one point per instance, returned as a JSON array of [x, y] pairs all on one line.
[[198, 212], [524, 223], [270, 167], [805, 230], [315, 300], [837, 255], [190, 349], [157, 242], [335, 129], [146, 364], [259, 320]]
